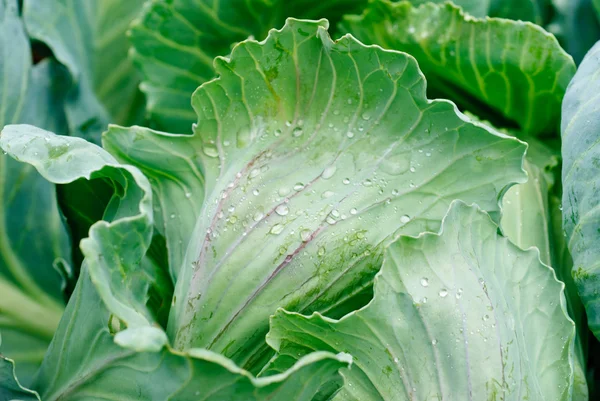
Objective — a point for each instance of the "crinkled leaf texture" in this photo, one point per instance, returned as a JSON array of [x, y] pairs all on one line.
[[522, 83], [34, 243], [109, 345], [175, 43], [89, 39], [581, 181], [308, 157], [463, 314]]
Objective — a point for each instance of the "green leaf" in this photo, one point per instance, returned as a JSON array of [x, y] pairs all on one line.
[[530, 218], [308, 156], [581, 169], [510, 72], [525, 10], [89, 39], [175, 43], [10, 386], [576, 26], [84, 363], [34, 242], [455, 314], [114, 252]]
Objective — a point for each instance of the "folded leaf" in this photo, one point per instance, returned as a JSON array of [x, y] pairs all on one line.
[[515, 68], [308, 156], [34, 242], [116, 245], [175, 43], [581, 175], [89, 39], [463, 314]]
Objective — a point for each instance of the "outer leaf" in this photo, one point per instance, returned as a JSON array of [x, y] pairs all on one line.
[[581, 172], [89, 39], [175, 43], [33, 239], [115, 248], [463, 314], [378, 159], [84, 363], [515, 68]]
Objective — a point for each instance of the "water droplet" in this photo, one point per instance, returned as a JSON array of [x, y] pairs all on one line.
[[481, 281], [424, 300], [258, 216], [210, 151], [297, 132], [282, 210], [350, 134], [486, 317], [283, 191], [226, 143], [367, 183], [336, 112], [425, 282], [188, 195], [404, 219], [231, 208], [277, 229], [255, 192], [299, 186], [254, 172], [412, 169], [434, 342], [395, 192], [288, 123], [428, 154], [327, 194], [305, 235], [277, 132], [346, 181], [396, 360], [353, 211], [321, 251], [172, 215], [443, 293], [329, 172], [459, 293], [366, 116]]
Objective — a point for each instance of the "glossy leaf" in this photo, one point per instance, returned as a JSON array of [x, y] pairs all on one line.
[[523, 84], [175, 43], [581, 172], [10, 386], [89, 39], [459, 314], [377, 159], [34, 244]]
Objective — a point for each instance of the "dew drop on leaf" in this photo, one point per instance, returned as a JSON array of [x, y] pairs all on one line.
[[282, 210]]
